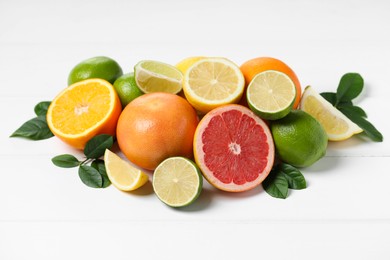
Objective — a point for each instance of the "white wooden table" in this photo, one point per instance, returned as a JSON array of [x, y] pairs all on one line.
[[47, 213]]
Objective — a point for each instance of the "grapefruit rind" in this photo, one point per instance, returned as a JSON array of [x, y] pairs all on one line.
[[199, 154]]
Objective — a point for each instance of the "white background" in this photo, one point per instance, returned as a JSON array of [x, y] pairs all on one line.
[[47, 213]]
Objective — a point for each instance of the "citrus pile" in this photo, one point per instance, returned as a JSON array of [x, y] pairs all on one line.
[[187, 121]]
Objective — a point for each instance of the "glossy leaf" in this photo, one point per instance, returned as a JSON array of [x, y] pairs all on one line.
[[96, 147], [350, 86], [90, 176], [41, 108], [65, 161], [34, 129]]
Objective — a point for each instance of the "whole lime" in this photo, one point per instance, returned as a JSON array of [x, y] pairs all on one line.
[[126, 88], [299, 138], [97, 67]]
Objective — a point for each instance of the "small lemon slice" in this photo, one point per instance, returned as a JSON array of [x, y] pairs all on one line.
[[213, 82], [337, 126], [271, 94], [177, 181], [124, 176], [155, 76]]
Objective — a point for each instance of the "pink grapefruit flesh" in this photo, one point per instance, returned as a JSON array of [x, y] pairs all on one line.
[[233, 148]]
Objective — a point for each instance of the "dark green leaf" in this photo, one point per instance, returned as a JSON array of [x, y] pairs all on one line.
[[276, 184], [330, 97], [352, 109], [345, 103], [65, 161], [90, 176], [99, 165], [368, 128], [34, 129], [41, 108], [294, 177], [350, 86], [96, 147]]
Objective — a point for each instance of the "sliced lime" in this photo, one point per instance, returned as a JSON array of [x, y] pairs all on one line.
[[155, 76], [177, 181], [271, 94]]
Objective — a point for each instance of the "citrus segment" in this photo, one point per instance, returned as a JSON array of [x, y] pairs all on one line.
[[156, 126], [271, 94], [83, 110], [233, 148], [124, 176], [337, 126], [212, 82], [257, 65], [177, 181], [155, 76]]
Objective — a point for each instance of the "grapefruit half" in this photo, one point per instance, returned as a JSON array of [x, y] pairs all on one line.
[[233, 148]]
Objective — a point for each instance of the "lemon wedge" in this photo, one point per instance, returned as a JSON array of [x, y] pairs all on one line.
[[124, 176], [337, 126]]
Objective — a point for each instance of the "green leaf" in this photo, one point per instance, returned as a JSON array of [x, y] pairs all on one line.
[[41, 108], [330, 97], [90, 176], [352, 109], [350, 86], [294, 177], [276, 184], [96, 147], [34, 129], [65, 161], [367, 127], [100, 166]]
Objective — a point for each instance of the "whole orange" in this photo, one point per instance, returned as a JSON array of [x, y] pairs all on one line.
[[254, 66], [156, 126]]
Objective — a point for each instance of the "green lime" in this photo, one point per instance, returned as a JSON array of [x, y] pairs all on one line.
[[177, 181], [96, 67], [299, 138], [126, 88], [155, 76], [271, 94]]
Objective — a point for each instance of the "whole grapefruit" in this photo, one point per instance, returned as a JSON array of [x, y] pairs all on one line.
[[156, 126], [254, 66]]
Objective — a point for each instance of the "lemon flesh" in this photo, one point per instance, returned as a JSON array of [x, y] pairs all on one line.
[[213, 82], [154, 76], [271, 94], [337, 126], [124, 176], [177, 181]]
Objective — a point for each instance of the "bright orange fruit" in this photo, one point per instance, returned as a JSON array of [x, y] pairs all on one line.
[[83, 110], [156, 126], [254, 66]]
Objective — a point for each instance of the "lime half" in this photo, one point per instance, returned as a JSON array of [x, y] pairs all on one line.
[[123, 175], [177, 181], [155, 76], [271, 94]]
